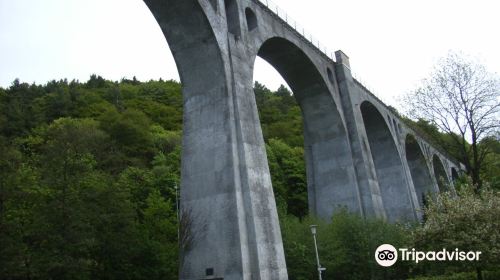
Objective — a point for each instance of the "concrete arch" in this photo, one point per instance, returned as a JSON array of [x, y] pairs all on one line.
[[388, 166], [226, 195], [454, 174], [251, 18], [232, 17], [419, 170], [330, 171], [186, 50], [440, 174], [353, 154]]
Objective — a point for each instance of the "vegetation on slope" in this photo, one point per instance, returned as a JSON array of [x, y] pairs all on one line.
[[88, 176]]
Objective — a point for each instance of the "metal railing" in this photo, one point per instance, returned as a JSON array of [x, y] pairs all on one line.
[[323, 50], [281, 14], [295, 26]]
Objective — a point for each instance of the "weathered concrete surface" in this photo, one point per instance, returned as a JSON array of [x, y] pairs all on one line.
[[419, 170], [356, 152], [391, 178]]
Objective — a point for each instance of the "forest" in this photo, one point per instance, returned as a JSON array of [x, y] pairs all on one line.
[[89, 176]]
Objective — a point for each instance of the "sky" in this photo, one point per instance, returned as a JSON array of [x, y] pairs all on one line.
[[392, 44]]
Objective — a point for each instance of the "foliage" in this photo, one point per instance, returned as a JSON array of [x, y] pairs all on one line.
[[461, 98], [280, 115], [487, 275], [490, 169], [88, 177], [346, 247], [288, 176], [468, 222]]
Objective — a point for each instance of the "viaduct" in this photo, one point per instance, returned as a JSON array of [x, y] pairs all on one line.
[[359, 154]]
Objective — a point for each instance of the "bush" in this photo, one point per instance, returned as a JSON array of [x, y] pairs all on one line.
[[487, 275], [346, 247], [469, 222], [456, 276]]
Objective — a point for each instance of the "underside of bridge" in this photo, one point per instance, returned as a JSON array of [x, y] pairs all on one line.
[[419, 170], [440, 174], [229, 222], [330, 172], [454, 174], [388, 165]]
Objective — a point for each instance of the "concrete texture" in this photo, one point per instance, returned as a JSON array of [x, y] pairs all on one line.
[[419, 169], [388, 166], [441, 177], [355, 148]]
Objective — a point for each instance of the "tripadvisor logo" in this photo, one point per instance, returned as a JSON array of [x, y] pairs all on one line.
[[386, 255]]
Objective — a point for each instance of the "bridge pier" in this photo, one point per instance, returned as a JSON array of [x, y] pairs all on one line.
[[229, 222], [369, 189]]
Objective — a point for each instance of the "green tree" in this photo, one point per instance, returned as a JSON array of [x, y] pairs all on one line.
[[468, 222], [346, 247], [288, 176], [461, 98], [490, 170], [160, 225], [130, 132]]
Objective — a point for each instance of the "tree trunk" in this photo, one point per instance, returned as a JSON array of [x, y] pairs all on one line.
[[476, 164]]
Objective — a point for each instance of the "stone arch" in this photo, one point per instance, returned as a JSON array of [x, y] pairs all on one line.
[[214, 4], [388, 165], [454, 174], [251, 19], [232, 17], [174, 28], [330, 171], [215, 198], [440, 174], [419, 170], [330, 75]]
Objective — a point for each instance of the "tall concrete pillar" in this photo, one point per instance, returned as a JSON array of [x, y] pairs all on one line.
[[229, 222], [371, 198]]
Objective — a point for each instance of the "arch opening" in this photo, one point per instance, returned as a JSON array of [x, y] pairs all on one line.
[[214, 4], [440, 174], [388, 165], [232, 17], [330, 173], [419, 170], [205, 139], [251, 19], [454, 174], [330, 75]]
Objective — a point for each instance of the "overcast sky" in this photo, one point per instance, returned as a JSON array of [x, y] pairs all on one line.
[[392, 44]]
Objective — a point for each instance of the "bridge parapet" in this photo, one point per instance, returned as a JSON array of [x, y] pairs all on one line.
[[292, 24], [412, 129], [355, 152], [339, 57]]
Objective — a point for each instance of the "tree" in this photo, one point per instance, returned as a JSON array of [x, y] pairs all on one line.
[[346, 247], [288, 176], [491, 165], [468, 222], [462, 98]]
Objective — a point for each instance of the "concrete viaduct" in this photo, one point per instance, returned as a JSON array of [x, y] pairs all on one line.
[[359, 154]]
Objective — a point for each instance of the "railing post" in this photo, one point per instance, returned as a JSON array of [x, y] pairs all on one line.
[[308, 37]]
